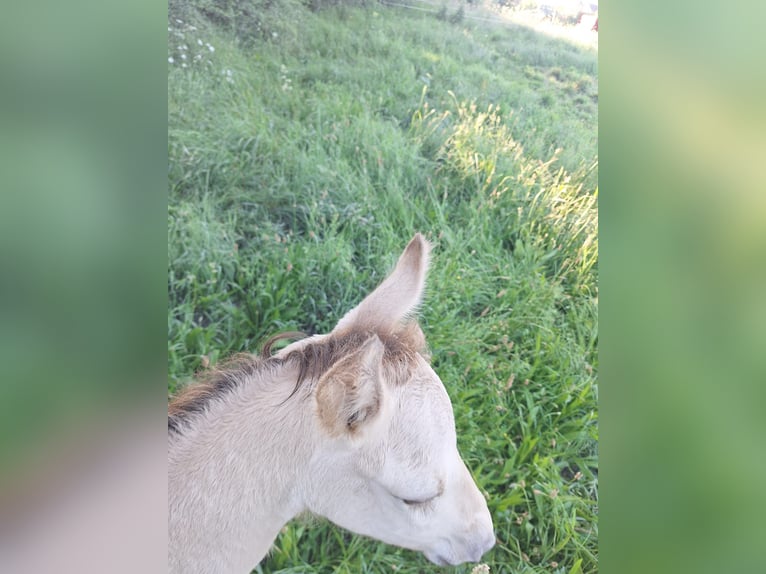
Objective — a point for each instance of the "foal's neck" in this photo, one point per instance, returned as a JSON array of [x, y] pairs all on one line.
[[239, 468]]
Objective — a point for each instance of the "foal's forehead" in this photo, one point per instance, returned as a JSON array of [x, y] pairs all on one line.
[[424, 377], [424, 398]]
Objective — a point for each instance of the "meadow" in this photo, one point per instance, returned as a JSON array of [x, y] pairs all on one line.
[[308, 142]]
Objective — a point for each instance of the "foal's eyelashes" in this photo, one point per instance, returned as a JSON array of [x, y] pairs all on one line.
[[415, 502], [418, 502]]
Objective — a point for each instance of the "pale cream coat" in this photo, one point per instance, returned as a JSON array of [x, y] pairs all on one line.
[[354, 426]]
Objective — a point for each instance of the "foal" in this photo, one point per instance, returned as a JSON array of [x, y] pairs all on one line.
[[354, 426]]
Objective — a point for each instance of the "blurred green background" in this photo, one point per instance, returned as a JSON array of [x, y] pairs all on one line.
[[83, 213], [684, 283]]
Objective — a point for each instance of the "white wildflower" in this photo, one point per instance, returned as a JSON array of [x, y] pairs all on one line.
[[199, 42], [209, 47], [183, 56], [170, 60]]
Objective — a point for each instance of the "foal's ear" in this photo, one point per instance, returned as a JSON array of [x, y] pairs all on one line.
[[350, 395], [386, 308]]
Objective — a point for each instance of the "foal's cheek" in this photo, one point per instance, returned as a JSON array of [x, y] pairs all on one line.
[[370, 463]]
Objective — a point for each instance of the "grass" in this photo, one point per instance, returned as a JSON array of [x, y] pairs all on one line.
[[302, 159]]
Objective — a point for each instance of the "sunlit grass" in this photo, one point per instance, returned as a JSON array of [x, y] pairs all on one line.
[[297, 178]]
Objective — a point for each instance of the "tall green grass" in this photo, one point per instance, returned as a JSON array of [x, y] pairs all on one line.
[[301, 163]]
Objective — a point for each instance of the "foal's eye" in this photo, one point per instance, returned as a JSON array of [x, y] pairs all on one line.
[[418, 502]]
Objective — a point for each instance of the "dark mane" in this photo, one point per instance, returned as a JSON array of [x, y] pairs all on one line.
[[209, 385], [313, 360]]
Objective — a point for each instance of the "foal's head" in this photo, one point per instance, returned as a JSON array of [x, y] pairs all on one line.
[[388, 465]]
